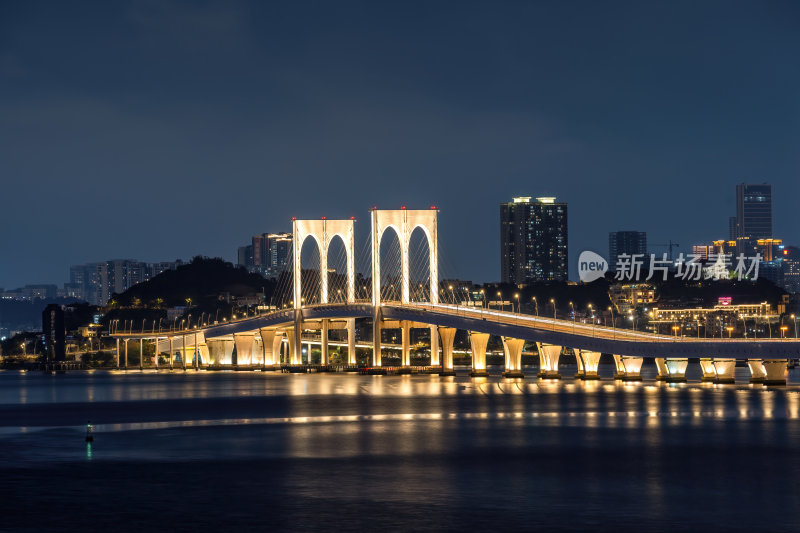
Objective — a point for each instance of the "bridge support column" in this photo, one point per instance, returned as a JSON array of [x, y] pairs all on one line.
[[268, 346], [619, 368], [776, 371], [202, 355], [244, 348], [676, 370], [126, 354], [405, 357], [295, 355], [117, 353], [757, 371], [447, 335], [351, 341], [183, 352], [548, 361], [171, 351], [725, 370], [220, 351], [478, 342], [661, 366], [376, 337], [707, 365], [588, 361], [277, 346], [513, 352], [323, 358], [155, 352], [141, 354], [296, 348], [632, 367], [434, 346]]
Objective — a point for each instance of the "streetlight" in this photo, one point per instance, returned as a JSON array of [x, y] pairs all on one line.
[[795, 326], [537, 305], [613, 322], [516, 297], [552, 301], [730, 331], [675, 331], [573, 317], [783, 331]]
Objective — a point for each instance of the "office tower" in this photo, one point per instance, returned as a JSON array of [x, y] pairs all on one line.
[[626, 242], [753, 215], [533, 240]]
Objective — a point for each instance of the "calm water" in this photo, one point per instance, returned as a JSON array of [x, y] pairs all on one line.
[[332, 452]]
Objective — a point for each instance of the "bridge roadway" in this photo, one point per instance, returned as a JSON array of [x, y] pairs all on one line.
[[514, 325], [258, 341]]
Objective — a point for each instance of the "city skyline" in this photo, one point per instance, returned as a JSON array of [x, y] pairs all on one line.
[[286, 116]]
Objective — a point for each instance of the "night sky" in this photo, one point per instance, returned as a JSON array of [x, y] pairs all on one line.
[[156, 130]]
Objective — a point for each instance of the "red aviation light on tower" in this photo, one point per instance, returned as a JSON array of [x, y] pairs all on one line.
[[324, 218], [294, 218], [402, 207], [374, 207], [352, 218], [434, 207]]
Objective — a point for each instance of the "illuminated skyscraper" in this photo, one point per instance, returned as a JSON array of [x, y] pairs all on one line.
[[533, 240], [753, 215]]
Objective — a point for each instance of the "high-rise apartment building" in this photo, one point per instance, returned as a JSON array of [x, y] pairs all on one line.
[[268, 253], [533, 240]]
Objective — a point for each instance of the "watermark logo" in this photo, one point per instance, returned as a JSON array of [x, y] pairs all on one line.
[[639, 267], [591, 266]]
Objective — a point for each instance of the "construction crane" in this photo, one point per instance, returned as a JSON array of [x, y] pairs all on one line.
[[670, 246]]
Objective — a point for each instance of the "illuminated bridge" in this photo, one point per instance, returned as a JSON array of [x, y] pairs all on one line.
[[276, 339]]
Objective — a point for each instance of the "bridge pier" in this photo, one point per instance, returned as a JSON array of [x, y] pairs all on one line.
[[672, 370], [296, 346], [220, 351], [513, 352], [376, 337], [171, 351], [707, 366], [478, 342], [268, 337], [434, 346], [447, 335], [631, 368], [588, 362], [126, 354], [202, 355], [757, 371], [405, 358], [725, 370], [244, 348], [351, 341], [155, 352], [295, 355], [775, 371], [323, 358], [141, 354], [548, 361], [619, 368], [117, 353]]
